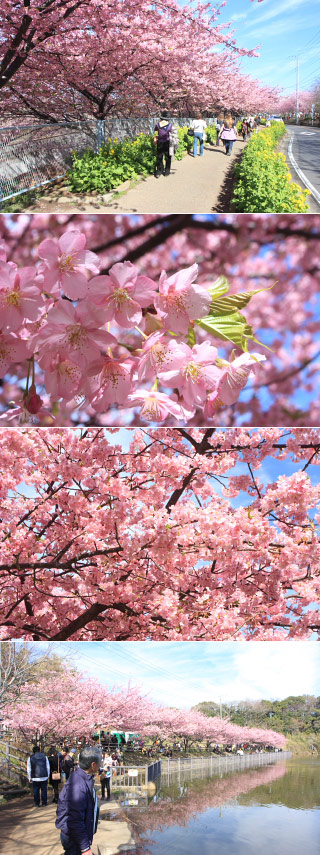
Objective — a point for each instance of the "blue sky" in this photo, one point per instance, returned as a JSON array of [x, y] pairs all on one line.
[[182, 674], [283, 28]]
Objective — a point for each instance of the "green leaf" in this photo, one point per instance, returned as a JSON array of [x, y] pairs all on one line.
[[232, 327], [219, 287], [191, 336], [236, 301]]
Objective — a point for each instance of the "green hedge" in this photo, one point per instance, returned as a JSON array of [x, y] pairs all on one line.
[[211, 134], [263, 180]]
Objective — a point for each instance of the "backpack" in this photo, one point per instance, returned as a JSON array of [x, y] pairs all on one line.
[[164, 131]]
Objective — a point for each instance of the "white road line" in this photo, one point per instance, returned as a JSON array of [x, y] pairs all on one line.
[[301, 174]]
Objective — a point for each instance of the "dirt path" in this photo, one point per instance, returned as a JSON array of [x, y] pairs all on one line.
[[195, 185], [27, 830]]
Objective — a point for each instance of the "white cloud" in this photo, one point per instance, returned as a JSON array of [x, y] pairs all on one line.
[[184, 673]]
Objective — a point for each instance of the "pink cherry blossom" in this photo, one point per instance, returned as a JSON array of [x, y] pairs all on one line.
[[235, 376], [155, 353], [19, 297], [122, 294], [156, 406], [73, 332], [181, 300], [65, 261], [233, 379], [111, 383], [12, 349], [62, 379], [28, 407], [192, 371]]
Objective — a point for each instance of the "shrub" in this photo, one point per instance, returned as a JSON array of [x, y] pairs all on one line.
[[212, 133], [185, 143], [263, 180], [114, 163], [118, 161]]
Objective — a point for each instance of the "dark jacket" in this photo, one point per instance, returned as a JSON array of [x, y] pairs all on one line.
[[38, 763], [68, 765], [75, 811]]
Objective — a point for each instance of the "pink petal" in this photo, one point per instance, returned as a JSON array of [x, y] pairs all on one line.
[[72, 242], [123, 273], [75, 285], [49, 250]]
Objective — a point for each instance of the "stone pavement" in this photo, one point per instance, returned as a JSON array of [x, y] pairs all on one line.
[[27, 830], [196, 185]]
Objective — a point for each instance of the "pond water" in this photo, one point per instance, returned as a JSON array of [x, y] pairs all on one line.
[[272, 810]]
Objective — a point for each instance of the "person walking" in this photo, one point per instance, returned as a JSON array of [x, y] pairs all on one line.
[[244, 129], [161, 137], [219, 124], [105, 777], [55, 771], [38, 771], [78, 811], [228, 134], [199, 127], [68, 763]]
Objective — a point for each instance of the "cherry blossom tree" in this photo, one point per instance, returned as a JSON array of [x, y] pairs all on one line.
[[145, 543], [251, 251], [72, 705], [45, 708], [55, 55], [288, 104]]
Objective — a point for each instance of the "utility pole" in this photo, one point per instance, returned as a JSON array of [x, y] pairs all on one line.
[[297, 89]]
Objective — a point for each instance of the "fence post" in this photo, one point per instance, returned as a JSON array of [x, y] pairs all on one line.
[[100, 134], [8, 760]]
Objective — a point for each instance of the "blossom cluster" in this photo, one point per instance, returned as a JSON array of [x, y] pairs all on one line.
[[119, 339]]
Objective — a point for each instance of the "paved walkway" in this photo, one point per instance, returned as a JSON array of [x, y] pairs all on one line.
[[196, 185], [27, 830]]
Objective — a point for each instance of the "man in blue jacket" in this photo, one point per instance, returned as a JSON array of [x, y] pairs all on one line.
[[77, 812]]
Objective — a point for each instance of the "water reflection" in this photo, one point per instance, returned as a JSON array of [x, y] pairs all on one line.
[[270, 810]]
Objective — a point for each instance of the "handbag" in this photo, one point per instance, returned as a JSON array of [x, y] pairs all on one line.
[[191, 132], [56, 775], [102, 776]]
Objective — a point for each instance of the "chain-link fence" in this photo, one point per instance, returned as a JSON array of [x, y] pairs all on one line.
[[34, 155]]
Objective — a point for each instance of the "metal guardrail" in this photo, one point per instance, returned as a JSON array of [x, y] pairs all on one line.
[[135, 776], [196, 767], [34, 155]]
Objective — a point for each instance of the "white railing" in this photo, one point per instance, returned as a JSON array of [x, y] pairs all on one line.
[[196, 767]]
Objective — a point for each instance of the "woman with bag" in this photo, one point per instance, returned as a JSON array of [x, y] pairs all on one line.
[[228, 134], [55, 773]]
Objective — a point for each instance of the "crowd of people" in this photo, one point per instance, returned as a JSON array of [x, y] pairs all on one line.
[[72, 771], [167, 140]]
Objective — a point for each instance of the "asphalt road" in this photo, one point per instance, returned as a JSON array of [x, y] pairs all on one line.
[[304, 158]]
